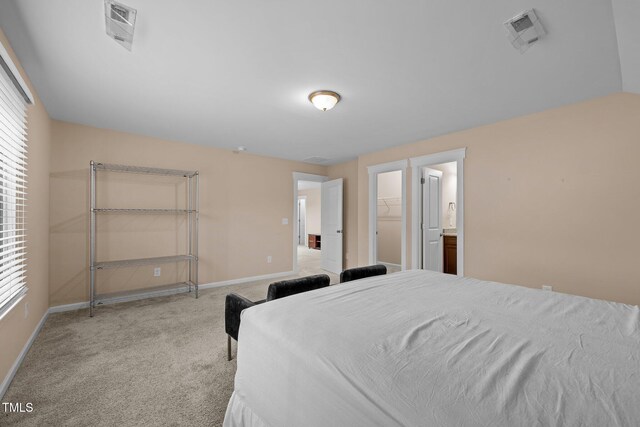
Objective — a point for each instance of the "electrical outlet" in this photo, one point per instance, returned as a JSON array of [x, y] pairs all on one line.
[[26, 310], [156, 272], [547, 288], [269, 259], [285, 221]]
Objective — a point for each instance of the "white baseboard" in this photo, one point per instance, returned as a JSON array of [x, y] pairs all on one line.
[[69, 307], [122, 298], [14, 368], [247, 279], [166, 292], [143, 295], [389, 264]]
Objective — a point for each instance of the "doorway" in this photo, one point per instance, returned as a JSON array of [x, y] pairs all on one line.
[[302, 220], [309, 250], [318, 237], [439, 234], [389, 220], [387, 215], [438, 212]]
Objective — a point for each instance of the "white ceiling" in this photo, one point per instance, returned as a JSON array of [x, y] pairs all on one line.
[[627, 14], [230, 73]]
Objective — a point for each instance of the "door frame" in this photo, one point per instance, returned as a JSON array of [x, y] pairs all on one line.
[[374, 170], [300, 176], [417, 163]]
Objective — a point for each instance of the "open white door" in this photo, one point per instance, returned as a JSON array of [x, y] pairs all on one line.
[[331, 226], [431, 220]]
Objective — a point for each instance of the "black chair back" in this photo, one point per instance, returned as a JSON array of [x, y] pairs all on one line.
[[234, 303], [362, 272], [286, 288]]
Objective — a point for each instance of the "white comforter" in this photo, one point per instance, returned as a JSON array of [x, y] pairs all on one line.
[[425, 349]]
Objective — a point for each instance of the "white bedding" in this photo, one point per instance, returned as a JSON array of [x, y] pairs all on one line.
[[419, 348]]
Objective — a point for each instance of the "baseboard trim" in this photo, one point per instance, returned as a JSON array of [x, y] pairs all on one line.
[[121, 298], [69, 307], [16, 365], [247, 279], [135, 296], [166, 292], [389, 264], [113, 300]]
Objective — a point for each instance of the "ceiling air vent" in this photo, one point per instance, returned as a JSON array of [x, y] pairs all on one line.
[[120, 21], [524, 30], [315, 160]]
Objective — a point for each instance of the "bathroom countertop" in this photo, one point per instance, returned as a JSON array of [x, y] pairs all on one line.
[[449, 232]]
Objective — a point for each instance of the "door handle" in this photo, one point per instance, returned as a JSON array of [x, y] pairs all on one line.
[[338, 231]]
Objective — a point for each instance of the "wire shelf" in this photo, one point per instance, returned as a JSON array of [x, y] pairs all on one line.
[[154, 291], [145, 170], [143, 211], [142, 261], [191, 210]]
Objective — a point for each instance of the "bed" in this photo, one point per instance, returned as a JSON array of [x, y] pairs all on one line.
[[419, 348]]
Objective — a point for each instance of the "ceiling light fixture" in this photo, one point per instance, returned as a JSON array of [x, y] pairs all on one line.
[[324, 99]]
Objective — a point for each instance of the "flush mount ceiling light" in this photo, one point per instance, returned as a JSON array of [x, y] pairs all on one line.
[[324, 99]]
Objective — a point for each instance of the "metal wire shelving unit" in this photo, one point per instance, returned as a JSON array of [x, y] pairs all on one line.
[[191, 210]]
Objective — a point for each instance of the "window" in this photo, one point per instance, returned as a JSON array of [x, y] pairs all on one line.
[[13, 185]]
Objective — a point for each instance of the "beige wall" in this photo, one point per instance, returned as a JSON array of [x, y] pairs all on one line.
[[15, 329], [349, 173], [314, 209], [243, 199], [541, 194]]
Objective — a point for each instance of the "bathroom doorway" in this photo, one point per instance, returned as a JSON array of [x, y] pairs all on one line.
[[439, 233], [437, 211]]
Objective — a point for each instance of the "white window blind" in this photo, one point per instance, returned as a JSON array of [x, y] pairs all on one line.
[[13, 190]]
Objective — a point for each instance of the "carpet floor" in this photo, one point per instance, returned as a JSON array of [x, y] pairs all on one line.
[[158, 361]]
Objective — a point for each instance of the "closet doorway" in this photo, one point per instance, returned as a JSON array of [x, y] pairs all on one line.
[[389, 220], [387, 215]]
